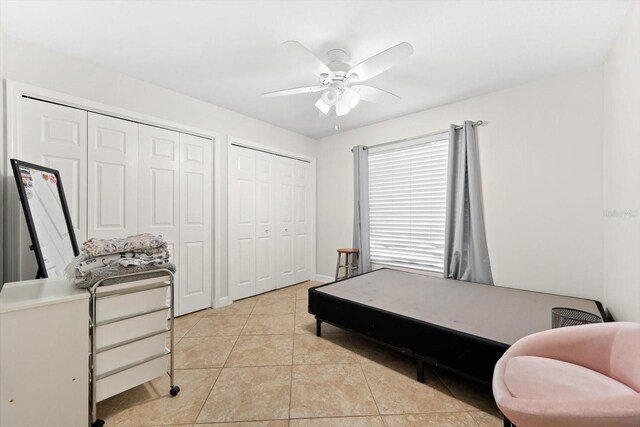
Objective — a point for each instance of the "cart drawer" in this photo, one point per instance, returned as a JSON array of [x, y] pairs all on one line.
[[117, 383], [133, 352], [127, 329], [115, 306]]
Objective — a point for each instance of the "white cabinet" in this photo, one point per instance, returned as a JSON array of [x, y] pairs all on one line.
[[122, 178], [44, 345], [269, 222]]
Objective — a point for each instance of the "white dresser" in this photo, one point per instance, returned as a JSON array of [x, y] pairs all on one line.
[[44, 347]]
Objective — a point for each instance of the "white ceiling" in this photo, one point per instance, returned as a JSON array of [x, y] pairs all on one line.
[[229, 52]]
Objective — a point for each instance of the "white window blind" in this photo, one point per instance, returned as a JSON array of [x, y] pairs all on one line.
[[407, 196]]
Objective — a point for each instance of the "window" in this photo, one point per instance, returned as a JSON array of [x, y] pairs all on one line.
[[407, 197]]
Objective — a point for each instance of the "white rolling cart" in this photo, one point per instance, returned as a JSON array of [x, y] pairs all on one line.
[[130, 319]]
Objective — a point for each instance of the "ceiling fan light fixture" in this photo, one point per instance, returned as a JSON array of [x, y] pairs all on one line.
[[322, 106], [342, 107], [330, 96], [351, 98]]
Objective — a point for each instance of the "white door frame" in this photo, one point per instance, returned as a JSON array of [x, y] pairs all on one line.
[[231, 140], [16, 90]]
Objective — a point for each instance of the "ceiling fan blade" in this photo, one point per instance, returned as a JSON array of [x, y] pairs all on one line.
[[293, 91], [381, 62], [303, 54], [373, 94]]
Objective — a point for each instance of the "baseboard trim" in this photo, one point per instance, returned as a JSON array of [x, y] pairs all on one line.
[[322, 278], [221, 302]]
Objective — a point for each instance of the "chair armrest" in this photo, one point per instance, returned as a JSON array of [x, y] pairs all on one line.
[[585, 345]]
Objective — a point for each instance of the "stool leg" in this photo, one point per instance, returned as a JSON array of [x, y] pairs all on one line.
[[356, 260], [347, 271], [338, 266]]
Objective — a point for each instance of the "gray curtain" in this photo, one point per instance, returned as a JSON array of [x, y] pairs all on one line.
[[361, 207], [465, 248]]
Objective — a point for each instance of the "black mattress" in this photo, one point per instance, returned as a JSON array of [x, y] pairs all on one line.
[[461, 326]]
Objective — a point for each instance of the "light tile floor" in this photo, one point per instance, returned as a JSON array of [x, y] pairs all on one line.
[[258, 363]]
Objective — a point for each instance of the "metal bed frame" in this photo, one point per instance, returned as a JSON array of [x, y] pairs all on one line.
[[174, 389], [470, 356]]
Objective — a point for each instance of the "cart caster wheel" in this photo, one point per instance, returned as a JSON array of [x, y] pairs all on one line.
[[174, 390], [97, 423]]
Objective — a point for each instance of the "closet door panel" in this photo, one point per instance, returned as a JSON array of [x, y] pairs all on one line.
[[265, 218], [301, 204], [112, 177], [242, 224], [284, 203], [54, 136], [196, 232], [159, 191]]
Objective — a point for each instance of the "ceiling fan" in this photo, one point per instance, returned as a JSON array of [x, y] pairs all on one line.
[[340, 83]]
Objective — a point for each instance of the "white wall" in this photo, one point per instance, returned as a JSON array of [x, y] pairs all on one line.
[[2, 139], [622, 171], [542, 180], [31, 64]]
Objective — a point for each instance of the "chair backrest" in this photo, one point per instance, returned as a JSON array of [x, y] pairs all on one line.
[[625, 356]]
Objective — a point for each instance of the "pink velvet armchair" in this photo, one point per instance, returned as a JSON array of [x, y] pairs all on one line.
[[587, 376]]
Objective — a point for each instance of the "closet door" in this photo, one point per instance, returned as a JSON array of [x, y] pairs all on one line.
[[242, 223], [284, 218], [159, 190], [302, 223], [54, 136], [112, 177], [265, 219], [196, 230]]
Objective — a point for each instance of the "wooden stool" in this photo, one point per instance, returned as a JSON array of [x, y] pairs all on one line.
[[350, 263]]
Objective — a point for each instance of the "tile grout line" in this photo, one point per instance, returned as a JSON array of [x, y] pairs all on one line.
[[474, 419], [208, 396], [293, 352], [293, 349], [219, 373], [375, 402]]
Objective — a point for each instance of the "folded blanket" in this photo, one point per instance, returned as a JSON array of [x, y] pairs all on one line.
[[145, 242], [86, 264], [109, 273]]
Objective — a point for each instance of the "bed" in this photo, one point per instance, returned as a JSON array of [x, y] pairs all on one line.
[[460, 326]]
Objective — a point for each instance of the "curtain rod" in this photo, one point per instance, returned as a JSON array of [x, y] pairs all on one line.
[[477, 123]]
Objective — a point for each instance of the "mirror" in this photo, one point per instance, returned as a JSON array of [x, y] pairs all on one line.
[[47, 215]]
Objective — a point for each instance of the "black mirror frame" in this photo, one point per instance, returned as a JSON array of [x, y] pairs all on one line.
[[35, 244]]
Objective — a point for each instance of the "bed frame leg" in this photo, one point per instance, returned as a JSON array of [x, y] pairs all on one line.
[[318, 327], [420, 366]]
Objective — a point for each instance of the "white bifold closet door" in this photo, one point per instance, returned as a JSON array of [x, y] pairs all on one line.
[[159, 190], [54, 136], [123, 178], [269, 206], [113, 177], [196, 219], [160, 183]]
